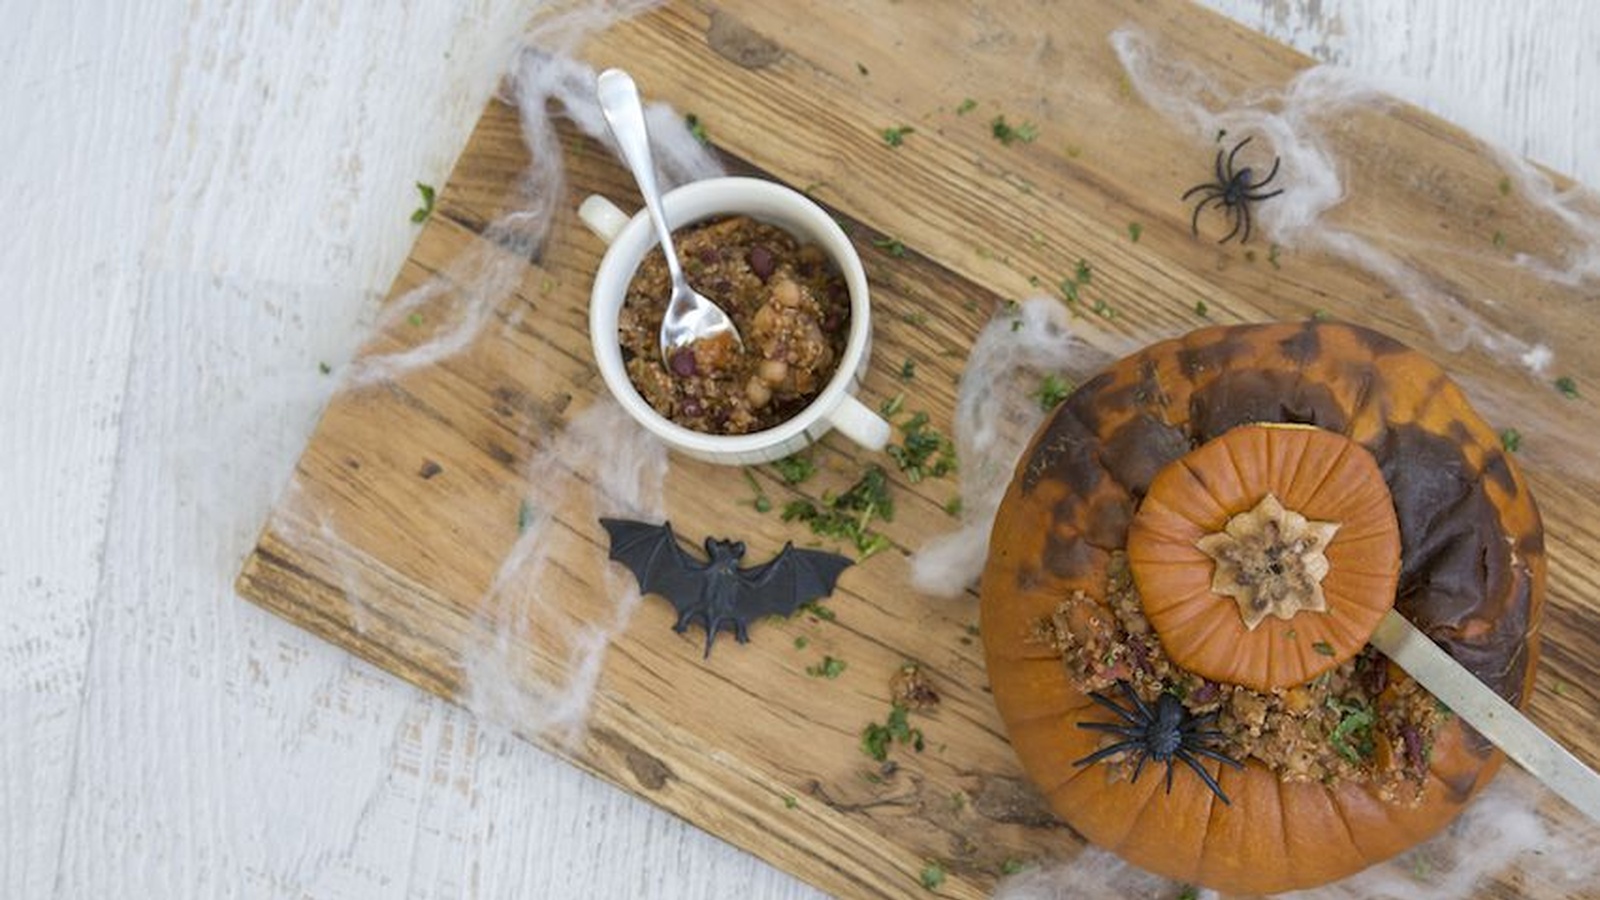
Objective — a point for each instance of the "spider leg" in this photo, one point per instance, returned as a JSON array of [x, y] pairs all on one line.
[[1240, 212], [1200, 187], [1110, 704], [1127, 731], [1204, 776], [1244, 213], [1104, 752], [1209, 753], [1222, 176], [1144, 711], [1194, 221], [1138, 766], [1236, 148], [1276, 161], [1267, 196]]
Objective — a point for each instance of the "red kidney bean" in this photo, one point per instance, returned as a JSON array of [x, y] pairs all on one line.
[[762, 262], [682, 363]]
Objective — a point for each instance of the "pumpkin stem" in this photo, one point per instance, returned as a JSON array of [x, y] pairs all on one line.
[[1271, 561]]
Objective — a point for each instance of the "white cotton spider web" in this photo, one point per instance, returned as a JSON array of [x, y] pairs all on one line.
[[530, 662]]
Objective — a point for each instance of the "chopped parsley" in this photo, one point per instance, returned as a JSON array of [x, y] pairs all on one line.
[[1272, 255], [696, 128], [794, 469], [1052, 390], [924, 451], [966, 106], [952, 507], [908, 369], [422, 212], [1499, 239], [818, 610], [862, 68], [761, 502], [1008, 134], [1567, 386], [324, 368], [831, 667], [1323, 648], [1102, 310], [1080, 277], [524, 516], [876, 739], [789, 802], [1134, 231], [892, 406], [1321, 315], [891, 246], [933, 875], [1511, 439], [1352, 737], [896, 136], [849, 516], [1012, 866], [801, 642], [1189, 892], [1505, 185], [414, 320], [1200, 309]]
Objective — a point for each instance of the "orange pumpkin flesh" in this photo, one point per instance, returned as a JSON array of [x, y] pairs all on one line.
[[1470, 573]]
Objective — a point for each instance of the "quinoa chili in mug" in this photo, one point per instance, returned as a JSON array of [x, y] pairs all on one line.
[[787, 299]]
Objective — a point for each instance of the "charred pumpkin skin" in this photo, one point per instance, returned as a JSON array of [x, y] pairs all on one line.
[[1472, 577]]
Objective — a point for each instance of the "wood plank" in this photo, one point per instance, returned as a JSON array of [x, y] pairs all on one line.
[[734, 743]]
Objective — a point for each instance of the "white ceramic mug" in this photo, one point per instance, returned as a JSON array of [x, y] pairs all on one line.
[[632, 238]]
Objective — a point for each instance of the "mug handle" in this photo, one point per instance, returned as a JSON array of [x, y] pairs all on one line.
[[860, 424], [602, 217]]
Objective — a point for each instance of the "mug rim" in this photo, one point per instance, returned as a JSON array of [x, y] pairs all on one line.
[[705, 199]]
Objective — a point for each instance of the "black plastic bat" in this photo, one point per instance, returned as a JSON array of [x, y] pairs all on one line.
[[717, 592]]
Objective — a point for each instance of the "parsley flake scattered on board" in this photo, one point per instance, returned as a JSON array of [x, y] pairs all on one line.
[[1008, 134], [1567, 386], [422, 212], [896, 136], [892, 246], [1511, 439], [831, 667], [696, 128]]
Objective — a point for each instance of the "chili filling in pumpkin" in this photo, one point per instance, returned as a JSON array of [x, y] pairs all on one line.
[[1364, 720]]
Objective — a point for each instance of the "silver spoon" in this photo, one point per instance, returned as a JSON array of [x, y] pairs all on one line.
[[690, 317]]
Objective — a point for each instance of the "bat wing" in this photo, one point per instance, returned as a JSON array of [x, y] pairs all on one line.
[[792, 578], [653, 555]]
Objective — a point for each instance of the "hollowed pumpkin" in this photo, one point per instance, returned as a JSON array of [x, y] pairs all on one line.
[[1273, 489]]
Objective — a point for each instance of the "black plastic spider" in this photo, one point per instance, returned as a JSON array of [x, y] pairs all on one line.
[[1234, 190], [1168, 733]]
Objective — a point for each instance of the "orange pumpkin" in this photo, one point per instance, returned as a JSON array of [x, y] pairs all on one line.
[[1260, 496]]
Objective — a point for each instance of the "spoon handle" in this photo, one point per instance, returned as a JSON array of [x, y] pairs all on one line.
[[619, 102]]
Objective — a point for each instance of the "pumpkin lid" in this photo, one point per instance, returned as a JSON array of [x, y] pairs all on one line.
[[1267, 555]]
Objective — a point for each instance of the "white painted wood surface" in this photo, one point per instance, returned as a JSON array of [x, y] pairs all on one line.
[[205, 202]]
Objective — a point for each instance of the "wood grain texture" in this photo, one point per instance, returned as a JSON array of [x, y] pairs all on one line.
[[197, 747], [1008, 218]]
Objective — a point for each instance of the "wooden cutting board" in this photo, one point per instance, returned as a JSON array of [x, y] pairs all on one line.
[[422, 477]]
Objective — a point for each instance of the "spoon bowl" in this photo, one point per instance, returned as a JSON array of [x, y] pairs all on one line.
[[690, 317]]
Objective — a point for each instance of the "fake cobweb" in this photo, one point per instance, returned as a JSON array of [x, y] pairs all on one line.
[[602, 464]]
